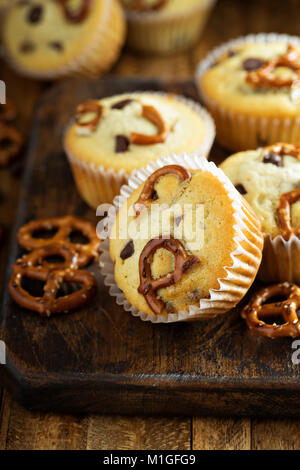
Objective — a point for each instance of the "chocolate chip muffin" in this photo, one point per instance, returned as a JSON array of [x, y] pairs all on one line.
[[201, 256], [165, 26], [269, 179], [114, 136], [251, 87], [51, 38]]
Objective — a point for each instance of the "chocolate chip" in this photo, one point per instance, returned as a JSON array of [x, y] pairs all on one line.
[[170, 307], [273, 158], [35, 14], [122, 144], [5, 143], [127, 251], [241, 189], [56, 45], [122, 104], [27, 47], [252, 64], [154, 195]]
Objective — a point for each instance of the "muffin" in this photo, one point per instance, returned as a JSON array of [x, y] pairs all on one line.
[[269, 179], [197, 258], [165, 26], [114, 136], [50, 39], [251, 87]]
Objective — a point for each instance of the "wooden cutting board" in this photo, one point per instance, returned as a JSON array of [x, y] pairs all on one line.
[[100, 358]]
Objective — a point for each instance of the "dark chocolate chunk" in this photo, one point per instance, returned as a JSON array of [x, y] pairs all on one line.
[[154, 195], [56, 45], [241, 189], [127, 251], [5, 143], [252, 64], [35, 14], [273, 158], [122, 144], [122, 104], [26, 47]]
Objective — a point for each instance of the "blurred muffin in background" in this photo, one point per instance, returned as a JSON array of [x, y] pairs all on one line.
[[53, 38], [165, 26]]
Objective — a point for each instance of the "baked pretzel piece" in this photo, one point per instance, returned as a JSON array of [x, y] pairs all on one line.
[[11, 143], [284, 214], [7, 111], [75, 16], [151, 113], [90, 106], [257, 310], [148, 286], [39, 256], [49, 303], [64, 226], [264, 75], [148, 193]]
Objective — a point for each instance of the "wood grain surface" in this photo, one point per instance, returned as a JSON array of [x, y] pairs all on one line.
[[20, 428]]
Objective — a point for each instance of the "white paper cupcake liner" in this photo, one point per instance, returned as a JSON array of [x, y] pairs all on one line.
[[97, 58], [238, 131], [281, 260], [98, 185], [156, 33], [245, 259]]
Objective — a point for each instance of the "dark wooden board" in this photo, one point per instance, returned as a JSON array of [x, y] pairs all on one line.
[[101, 359]]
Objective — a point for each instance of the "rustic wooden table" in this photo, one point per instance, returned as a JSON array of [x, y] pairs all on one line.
[[21, 429]]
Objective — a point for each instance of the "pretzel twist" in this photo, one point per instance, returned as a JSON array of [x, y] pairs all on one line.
[[256, 310], [30, 267], [283, 149], [75, 16], [91, 106], [65, 226], [11, 143], [151, 113], [264, 75], [284, 214], [148, 286], [146, 196]]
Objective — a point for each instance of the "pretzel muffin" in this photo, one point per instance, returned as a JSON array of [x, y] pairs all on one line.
[[53, 38], [184, 245], [251, 87], [165, 26], [269, 179], [114, 136]]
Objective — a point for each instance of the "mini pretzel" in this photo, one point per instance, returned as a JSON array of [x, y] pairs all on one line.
[[49, 303], [150, 113], [149, 286], [72, 16], [284, 214], [140, 5], [147, 194], [7, 111], [91, 106], [65, 226], [39, 257], [264, 76], [284, 149], [256, 310], [11, 143]]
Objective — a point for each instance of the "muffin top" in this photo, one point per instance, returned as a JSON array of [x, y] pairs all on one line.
[[161, 7], [134, 129], [48, 34], [260, 78], [262, 176], [177, 233]]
